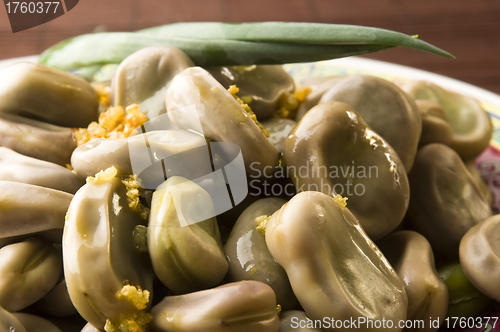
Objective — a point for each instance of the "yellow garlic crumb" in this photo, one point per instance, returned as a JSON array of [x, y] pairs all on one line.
[[278, 308], [103, 176], [103, 92], [301, 93], [136, 321], [233, 90], [262, 223], [116, 122], [288, 103], [342, 201], [135, 295], [133, 184], [132, 321]]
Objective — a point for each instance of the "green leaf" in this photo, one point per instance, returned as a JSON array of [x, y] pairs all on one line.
[[217, 44], [113, 47], [293, 32]]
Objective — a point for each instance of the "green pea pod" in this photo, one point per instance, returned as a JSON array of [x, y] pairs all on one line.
[[102, 268]]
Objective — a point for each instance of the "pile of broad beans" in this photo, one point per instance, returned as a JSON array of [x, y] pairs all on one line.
[[380, 189]]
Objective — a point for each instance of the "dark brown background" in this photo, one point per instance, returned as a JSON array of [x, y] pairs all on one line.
[[469, 29]]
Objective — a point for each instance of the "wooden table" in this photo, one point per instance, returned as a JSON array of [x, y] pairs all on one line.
[[468, 29]]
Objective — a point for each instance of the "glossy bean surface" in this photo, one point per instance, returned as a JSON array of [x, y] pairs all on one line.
[[245, 306], [333, 150], [334, 268], [249, 258]]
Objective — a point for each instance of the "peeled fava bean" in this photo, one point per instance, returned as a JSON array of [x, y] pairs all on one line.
[[185, 247], [296, 321], [465, 300], [333, 150], [26, 208], [19, 168], [33, 323], [249, 258], [334, 268], [435, 126], [244, 306], [471, 125], [37, 139], [143, 78], [410, 254], [445, 200], [9, 323], [480, 256], [28, 270], [222, 118], [89, 328], [260, 86], [107, 279], [101, 153], [40, 92], [385, 108]]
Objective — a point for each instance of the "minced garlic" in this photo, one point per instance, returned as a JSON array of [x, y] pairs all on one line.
[[233, 90], [301, 93], [103, 92], [132, 321], [262, 223], [136, 321], [103, 176], [135, 295], [288, 103], [133, 184], [114, 123], [342, 201]]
